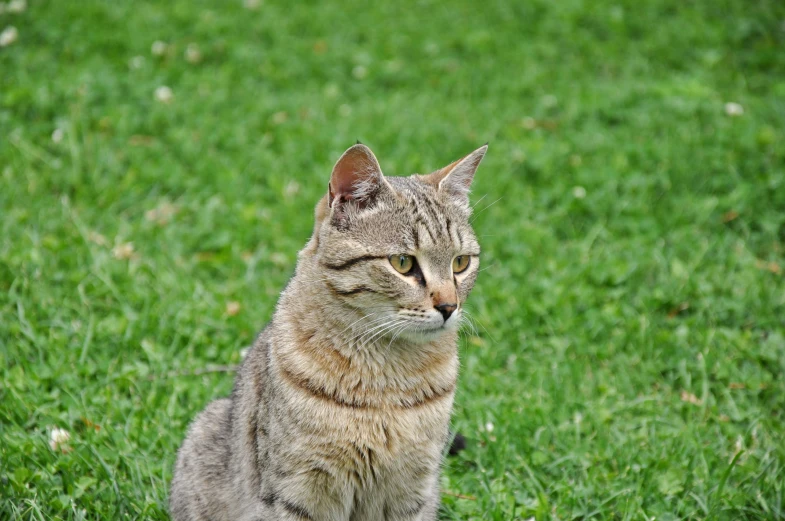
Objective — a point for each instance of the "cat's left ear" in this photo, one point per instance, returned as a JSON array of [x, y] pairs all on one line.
[[356, 182], [356, 177], [456, 178]]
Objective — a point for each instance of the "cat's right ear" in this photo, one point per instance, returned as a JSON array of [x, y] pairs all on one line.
[[356, 179], [456, 178]]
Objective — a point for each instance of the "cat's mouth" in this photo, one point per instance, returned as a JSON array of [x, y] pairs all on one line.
[[427, 330]]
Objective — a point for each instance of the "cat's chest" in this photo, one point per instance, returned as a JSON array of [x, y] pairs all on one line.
[[392, 457], [373, 426], [396, 431], [375, 445], [383, 406]]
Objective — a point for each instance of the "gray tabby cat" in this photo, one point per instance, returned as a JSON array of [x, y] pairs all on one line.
[[340, 411]]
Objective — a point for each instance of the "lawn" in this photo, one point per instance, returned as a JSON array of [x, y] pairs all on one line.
[[628, 355]]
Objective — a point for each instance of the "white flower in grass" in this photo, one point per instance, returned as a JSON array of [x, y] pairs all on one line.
[[359, 72], [232, 308], [733, 109], [549, 100], [579, 192], [137, 62], [688, 397], [57, 135], [332, 90], [518, 155], [279, 259], [123, 251], [8, 36], [529, 123], [158, 48], [164, 94], [489, 427], [291, 189], [162, 213], [192, 53], [17, 6], [58, 438], [98, 239], [739, 445], [252, 4], [280, 117]]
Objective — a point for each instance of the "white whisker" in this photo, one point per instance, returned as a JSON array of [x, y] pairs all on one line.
[[373, 326], [358, 320], [383, 330], [400, 330], [474, 319], [468, 322], [478, 201], [486, 267], [478, 213]]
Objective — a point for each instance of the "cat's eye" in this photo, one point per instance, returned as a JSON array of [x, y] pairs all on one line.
[[460, 263], [402, 263]]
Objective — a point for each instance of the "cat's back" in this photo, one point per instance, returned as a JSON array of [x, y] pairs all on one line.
[[217, 473], [198, 470]]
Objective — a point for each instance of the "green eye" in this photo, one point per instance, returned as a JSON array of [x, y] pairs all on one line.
[[460, 263], [402, 263]]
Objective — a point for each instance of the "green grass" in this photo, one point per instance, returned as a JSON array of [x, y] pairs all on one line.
[[630, 352]]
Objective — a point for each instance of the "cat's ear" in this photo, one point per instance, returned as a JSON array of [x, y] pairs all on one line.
[[356, 177], [456, 178]]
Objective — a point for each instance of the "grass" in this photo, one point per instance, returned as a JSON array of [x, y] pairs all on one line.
[[630, 357]]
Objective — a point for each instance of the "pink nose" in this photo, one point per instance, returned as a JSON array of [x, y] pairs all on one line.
[[446, 310]]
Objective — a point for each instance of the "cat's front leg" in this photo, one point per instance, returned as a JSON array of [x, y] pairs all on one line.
[[426, 510], [311, 495], [414, 506]]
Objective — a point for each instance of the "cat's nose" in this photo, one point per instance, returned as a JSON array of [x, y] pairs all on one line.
[[446, 310]]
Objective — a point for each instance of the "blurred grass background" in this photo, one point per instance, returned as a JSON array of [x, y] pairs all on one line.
[[629, 357]]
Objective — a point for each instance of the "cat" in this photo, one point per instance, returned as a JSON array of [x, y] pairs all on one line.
[[340, 410]]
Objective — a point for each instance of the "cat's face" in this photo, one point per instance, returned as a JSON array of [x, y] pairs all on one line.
[[398, 251]]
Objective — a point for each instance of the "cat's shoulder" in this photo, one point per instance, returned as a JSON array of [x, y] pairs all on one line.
[[252, 373]]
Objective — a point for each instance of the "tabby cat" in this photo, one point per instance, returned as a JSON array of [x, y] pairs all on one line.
[[340, 410]]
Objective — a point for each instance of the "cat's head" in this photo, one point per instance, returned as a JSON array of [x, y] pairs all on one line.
[[398, 251]]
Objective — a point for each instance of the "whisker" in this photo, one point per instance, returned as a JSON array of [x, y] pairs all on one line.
[[400, 330], [478, 201], [394, 324], [469, 322], [462, 332], [374, 325], [484, 328], [388, 327], [358, 320], [489, 266], [478, 213]]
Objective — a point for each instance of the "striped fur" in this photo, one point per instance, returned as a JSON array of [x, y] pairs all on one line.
[[340, 411]]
